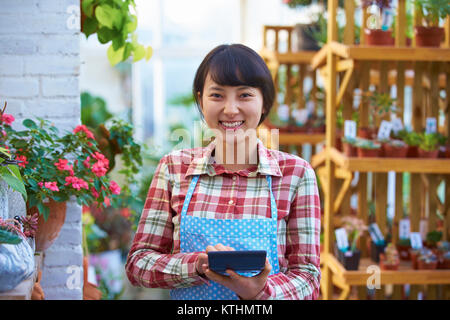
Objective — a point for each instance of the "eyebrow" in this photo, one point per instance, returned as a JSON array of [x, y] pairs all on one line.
[[221, 89]]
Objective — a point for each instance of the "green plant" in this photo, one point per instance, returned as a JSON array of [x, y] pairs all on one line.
[[380, 105], [304, 3], [429, 141], [396, 143], [355, 228], [55, 166], [114, 22], [411, 138], [367, 144], [9, 234], [10, 173], [406, 242], [432, 11], [433, 237], [391, 254]]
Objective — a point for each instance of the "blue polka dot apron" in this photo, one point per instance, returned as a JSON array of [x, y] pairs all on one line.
[[241, 234]]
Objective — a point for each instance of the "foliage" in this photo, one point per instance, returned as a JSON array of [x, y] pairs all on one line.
[[429, 141], [433, 237], [380, 105], [433, 10], [93, 110], [391, 254], [355, 228], [396, 143], [55, 166], [367, 144], [9, 233], [411, 138], [304, 3], [404, 242], [114, 22], [379, 3]]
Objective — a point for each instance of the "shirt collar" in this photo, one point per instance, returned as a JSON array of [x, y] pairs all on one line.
[[203, 162]]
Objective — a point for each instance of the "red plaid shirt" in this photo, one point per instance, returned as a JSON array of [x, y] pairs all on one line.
[[155, 259]]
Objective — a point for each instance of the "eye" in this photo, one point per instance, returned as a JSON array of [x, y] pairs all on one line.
[[215, 95], [246, 95]]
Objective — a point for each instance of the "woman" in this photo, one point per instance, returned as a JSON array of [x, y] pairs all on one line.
[[234, 194]]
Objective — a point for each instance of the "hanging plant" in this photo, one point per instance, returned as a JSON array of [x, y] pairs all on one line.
[[114, 23]]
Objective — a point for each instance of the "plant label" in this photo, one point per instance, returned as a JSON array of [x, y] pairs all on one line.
[[300, 116], [350, 129], [431, 125], [416, 240], [404, 229], [341, 238], [397, 125], [385, 130], [375, 233]]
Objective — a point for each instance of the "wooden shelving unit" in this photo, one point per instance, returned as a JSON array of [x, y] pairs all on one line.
[[347, 68]]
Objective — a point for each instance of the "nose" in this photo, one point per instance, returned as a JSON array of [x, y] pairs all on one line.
[[231, 108]]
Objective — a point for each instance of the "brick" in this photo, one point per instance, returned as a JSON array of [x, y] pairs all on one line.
[[43, 23], [71, 234], [14, 107], [62, 86], [53, 108], [16, 6], [61, 6], [58, 256], [11, 65], [73, 213], [18, 45], [19, 87], [56, 44], [57, 293], [51, 65]]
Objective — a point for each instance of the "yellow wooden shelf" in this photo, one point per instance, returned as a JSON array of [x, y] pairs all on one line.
[[404, 275], [380, 53], [413, 165], [301, 138], [288, 57]]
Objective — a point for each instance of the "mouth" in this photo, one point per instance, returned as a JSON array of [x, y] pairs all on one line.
[[231, 125]]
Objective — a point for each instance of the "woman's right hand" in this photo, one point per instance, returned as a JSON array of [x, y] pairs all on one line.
[[202, 258]]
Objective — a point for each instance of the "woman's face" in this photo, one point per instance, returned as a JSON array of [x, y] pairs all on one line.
[[231, 110]]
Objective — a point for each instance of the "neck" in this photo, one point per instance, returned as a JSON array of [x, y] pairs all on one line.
[[238, 154]]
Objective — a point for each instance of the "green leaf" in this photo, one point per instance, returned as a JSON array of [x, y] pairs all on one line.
[[30, 124], [115, 57], [105, 35], [131, 25], [90, 25], [139, 52], [9, 237], [88, 7], [149, 53], [15, 183], [128, 50], [108, 16]]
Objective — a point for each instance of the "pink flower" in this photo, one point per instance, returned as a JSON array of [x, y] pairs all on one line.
[[76, 183], [7, 119], [84, 129], [98, 156], [52, 186], [86, 162], [125, 212], [94, 193], [23, 161], [107, 203], [114, 187], [99, 169], [40, 184], [63, 164]]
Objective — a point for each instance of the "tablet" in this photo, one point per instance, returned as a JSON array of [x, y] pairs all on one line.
[[239, 261]]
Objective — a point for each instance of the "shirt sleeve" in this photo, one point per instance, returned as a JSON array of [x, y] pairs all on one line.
[[302, 278], [150, 262]]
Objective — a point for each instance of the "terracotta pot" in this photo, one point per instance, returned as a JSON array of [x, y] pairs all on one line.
[[422, 265], [428, 154], [390, 151], [414, 254], [348, 149], [48, 231], [403, 252], [90, 291], [378, 37], [429, 36], [412, 152], [385, 266], [37, 293], [368, 153], [443, 263]]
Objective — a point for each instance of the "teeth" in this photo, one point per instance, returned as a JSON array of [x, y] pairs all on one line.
[[232, 124]]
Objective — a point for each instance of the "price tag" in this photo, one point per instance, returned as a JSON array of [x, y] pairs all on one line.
[[397, 125], [416, 240], [403, 229], [341, 238], [431, 125], [349, 129], [300, 116], [283, 112], [385, 130], [375, 233]]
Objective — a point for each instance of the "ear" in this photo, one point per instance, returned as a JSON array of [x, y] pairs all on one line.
[[199, 99]]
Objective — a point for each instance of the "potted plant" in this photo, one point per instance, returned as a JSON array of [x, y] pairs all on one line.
[[114, 22], [375, 31], [426, 260], [429, 145], [376, 249], [432, 238], [367, 148], [56, 167], [430, 34], [389, 260], [403, 246], [442, 252], [350, 258], [380, 105], [349, 146], [394, 148]]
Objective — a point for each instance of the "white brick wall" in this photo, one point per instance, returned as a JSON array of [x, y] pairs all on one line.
[[39, 75]]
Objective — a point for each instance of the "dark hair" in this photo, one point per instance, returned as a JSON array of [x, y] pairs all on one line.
[[235, 65]]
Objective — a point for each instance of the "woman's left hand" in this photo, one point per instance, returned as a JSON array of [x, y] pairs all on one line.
[[246, 288]]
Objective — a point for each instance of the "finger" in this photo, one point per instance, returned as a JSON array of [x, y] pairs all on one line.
[[230, 249], [233, 274], [221, 247], [214, 276], [210, 248], [267, 268]]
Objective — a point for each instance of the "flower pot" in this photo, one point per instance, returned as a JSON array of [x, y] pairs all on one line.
[[368, 153], [349, 259], [387, 266], [391, 151], [443, 263], [48, 231], [447, 151], [348, 149], [426, 265], [412, 152], [428, 36], [376, 250], [403, 252], [428, 154], [414, 254], [378, 37]]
